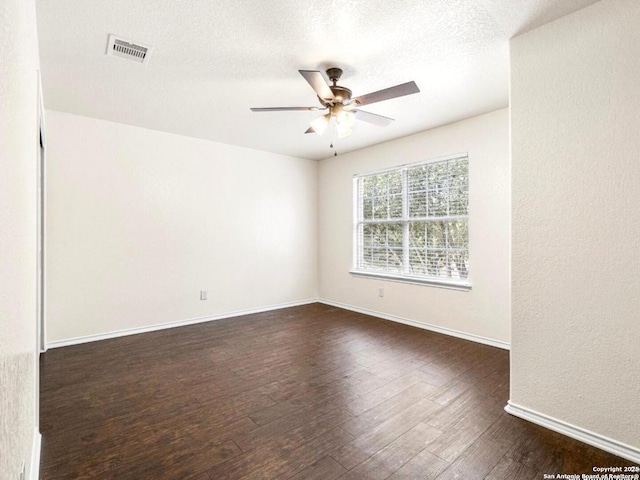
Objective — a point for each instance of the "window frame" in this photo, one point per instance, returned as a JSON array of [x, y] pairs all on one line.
[[462, 284]]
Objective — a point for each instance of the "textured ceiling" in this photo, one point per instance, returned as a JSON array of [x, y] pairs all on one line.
[[212, 60]]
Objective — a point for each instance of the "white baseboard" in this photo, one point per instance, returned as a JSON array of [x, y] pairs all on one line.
[[34, 472], [179, 323], [237, 313], [425, 326], [585, 436]]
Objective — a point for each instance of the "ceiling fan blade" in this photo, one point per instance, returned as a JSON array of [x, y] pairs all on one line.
[[372, 118], [285, 109], [318, 83], [387, 94], [310, 130]]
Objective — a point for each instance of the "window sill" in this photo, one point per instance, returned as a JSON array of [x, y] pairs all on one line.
[[416, 281]]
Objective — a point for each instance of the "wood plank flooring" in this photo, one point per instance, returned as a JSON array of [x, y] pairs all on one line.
[[311, 392]]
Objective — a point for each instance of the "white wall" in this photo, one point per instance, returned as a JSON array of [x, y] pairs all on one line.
[[483, 311], [139, 221], [18, 211], [575, 112]]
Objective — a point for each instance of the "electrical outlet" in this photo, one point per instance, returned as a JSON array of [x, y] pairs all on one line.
[[23, 473], [381, 292], [203, 294]]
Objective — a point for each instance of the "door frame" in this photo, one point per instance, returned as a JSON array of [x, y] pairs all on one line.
[[41, 344], [41, 227]]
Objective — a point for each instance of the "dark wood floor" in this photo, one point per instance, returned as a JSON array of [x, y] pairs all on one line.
[[311, 392]]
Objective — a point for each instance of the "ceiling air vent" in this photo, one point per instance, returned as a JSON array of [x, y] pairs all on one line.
[[134, 51]]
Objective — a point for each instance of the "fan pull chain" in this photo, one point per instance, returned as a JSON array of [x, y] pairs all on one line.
[[335, 152], [333, 135]]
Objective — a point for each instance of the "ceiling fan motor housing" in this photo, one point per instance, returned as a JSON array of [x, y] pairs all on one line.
[[342, 94]]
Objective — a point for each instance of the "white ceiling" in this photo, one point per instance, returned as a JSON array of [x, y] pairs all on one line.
[[213, 59]]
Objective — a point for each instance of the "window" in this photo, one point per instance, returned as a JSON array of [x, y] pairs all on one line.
[[412, 222]]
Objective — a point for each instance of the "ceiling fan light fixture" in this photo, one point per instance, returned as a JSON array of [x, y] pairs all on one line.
[[343, 129], [346, 118], [320, 124]]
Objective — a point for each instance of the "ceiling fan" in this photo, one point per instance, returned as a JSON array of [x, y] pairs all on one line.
[[340, 105]]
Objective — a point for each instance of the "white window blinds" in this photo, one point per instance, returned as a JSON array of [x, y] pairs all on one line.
[[413, 221]]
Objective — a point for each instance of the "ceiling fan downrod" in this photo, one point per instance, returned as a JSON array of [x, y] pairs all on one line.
[[334, 74]]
